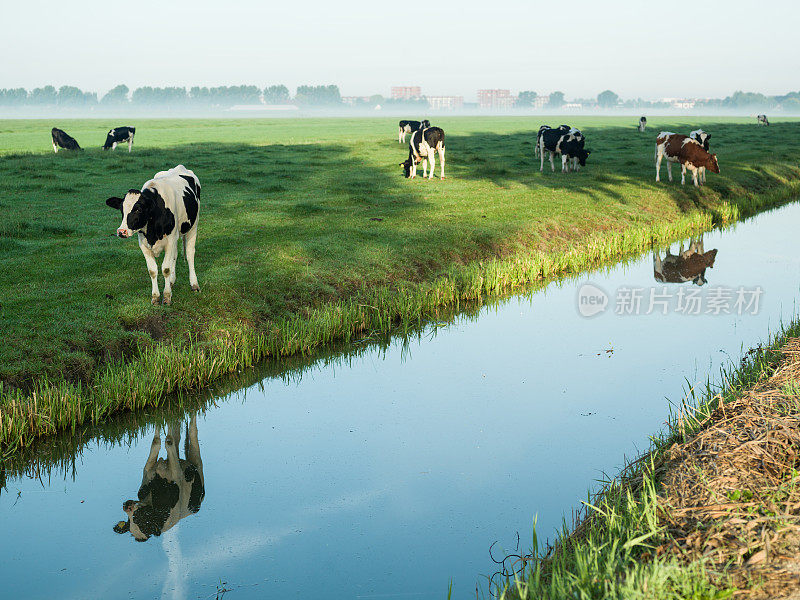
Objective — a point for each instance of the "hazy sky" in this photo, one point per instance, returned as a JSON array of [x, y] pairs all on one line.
[[649, 49]]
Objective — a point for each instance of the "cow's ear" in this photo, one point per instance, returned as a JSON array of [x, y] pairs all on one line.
[[115, 203]]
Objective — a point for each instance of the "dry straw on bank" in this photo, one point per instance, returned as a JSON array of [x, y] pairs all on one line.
[[731, 492]]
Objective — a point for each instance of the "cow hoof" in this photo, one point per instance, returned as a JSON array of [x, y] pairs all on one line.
[[195, 288], [154, 299], [167, 300]]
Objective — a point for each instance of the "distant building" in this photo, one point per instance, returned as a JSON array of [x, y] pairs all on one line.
[[539, 102], [682, 103], [445, 102], [406, 92], [353, 100], [572, 106], [496, 99]]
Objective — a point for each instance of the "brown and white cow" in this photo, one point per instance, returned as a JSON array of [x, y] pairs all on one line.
[[679, 148], [165, 210], [688, 265], [172, 488]]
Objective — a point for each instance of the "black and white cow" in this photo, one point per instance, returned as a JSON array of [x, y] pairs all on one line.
[[172, 488], [642, 124], [119, 135], [165, 210], [543, 128], [410, 127], [62, 140], [569, 143], [762, 120], [422, 147], [701, 137]]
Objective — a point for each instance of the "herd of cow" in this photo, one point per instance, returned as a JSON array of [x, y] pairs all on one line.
[[166, 208]]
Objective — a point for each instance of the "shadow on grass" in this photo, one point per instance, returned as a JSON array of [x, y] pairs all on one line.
[[285, 228]]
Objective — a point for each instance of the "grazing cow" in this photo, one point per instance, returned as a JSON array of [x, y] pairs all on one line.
[[701, 137], [568, 142], [411, 127], [689, 265], [543, 128], [172, 488], [422, 147], [165, 210], [62, 140], [119, 135], [642, 124], [762, 120], [684, 150]]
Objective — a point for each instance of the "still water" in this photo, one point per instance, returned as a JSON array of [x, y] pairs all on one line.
[[389, 472]]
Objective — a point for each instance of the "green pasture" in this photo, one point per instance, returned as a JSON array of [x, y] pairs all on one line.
[[308, 233]]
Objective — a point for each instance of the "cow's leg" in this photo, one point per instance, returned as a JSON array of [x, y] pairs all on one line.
[[564, 163], [192, 451], [432, 161], [152, 269], [669, 169], [694, 177], [441, 160], [55, 148], [400, 136], [541, 155], [114, 146], [173, 442], [152, 458], [659, 155], [130, 144], [168, 269], [188, 247], [552, 166]]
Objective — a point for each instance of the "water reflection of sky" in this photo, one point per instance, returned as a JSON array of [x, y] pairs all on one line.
[[388, 476]]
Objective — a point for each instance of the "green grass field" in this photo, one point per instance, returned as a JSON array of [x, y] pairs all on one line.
[[308, 232]]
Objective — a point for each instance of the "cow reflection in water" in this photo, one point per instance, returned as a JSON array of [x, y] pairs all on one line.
[[171, 489], [687, 265]]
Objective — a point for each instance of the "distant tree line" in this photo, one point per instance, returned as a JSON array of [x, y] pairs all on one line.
[[221, 96], [329, 95]]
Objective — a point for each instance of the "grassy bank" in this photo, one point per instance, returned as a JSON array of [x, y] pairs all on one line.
[[711, 511], [309, 234]]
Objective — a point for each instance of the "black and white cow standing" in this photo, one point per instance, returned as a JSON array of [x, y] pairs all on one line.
[[543, 128], [62, 140], [410, 127], [642, 124], [569, 144], [165, 210], [762, 120], [119, 135], [172, 488], [422, 147], [701, 137]]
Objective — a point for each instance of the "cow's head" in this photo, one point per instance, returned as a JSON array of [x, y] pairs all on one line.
[[425, 124], [144, 520], [109, 140], [712, 164], [582, 155], [407, 164], [136, 208]]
